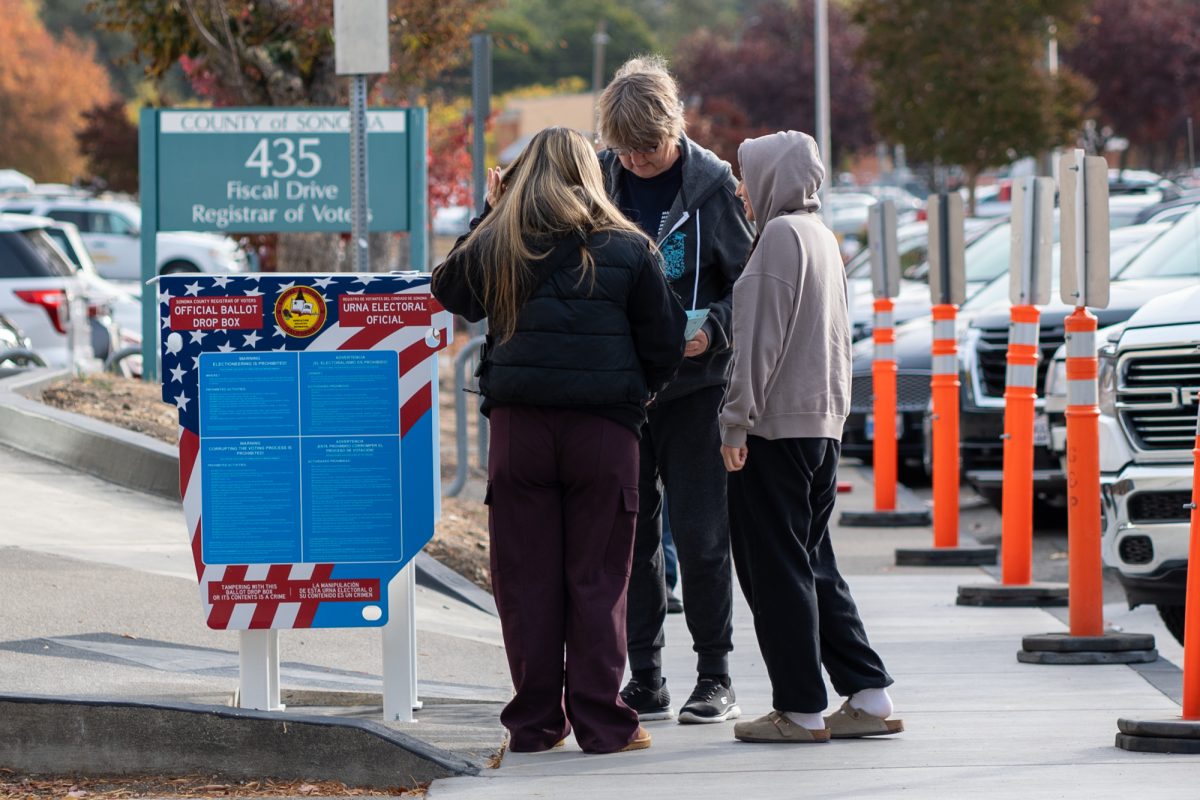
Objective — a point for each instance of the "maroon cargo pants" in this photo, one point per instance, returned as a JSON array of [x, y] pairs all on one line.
[[562, 496]]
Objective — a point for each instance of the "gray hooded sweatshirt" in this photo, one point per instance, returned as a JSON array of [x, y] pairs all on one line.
[[791, 329]]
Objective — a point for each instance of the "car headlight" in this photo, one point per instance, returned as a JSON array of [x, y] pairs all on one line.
[[1107, 379], [1056, 378]]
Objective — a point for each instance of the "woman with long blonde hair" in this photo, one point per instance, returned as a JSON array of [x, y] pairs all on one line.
[[582, 330]]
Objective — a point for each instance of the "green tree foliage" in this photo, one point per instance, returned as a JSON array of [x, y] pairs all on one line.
[[761, 78], [963, 81], [280, 52], [1143, 59], [545, 41]]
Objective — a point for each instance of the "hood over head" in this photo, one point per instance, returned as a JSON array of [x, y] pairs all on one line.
[[782, 172]]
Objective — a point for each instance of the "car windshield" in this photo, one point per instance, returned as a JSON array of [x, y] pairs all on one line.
[[1174, 254]]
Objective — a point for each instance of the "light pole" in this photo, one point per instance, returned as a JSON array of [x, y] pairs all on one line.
[[821, 56]]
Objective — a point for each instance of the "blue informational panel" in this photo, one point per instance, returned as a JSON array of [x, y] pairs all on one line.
[[307, 450]]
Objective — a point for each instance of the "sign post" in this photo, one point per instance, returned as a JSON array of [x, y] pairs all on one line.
[[1029, 286], [885, 279], [1083, 197], [360, 48], [948, 290]]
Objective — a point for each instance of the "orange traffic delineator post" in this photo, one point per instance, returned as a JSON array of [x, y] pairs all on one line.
[[884, 455], [944, 387], [1016, 541], [1087, 642], [1178, 734], [883, 382]]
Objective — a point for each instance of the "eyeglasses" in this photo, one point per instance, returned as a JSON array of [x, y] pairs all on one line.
[[646, 151]]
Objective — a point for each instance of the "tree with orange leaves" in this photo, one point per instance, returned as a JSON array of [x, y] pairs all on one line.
[[46, 86]]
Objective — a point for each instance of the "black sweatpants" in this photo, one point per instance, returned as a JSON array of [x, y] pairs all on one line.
[[779, 508], [681, 444]]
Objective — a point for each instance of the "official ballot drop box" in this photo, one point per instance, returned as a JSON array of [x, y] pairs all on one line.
[[308, 444]]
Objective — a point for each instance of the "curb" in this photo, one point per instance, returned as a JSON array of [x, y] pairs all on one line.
[[126, 458], [119, 737]]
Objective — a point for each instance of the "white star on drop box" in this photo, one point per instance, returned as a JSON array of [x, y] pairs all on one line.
[[181, 401], [177, 374], [252, 339], [323, 282], [197, 336], [222, 281], [193, 289], [225, 348]]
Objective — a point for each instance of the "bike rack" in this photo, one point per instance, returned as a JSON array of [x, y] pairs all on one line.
[[23, 356], [462, 466]]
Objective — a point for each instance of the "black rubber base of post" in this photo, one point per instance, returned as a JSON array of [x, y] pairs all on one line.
[[1037, 595], [1159, 736], [910, 518], [972, 556], [1111, 648]]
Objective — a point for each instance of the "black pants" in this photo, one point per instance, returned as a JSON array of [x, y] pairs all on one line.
[[681, 444], [779, 508], [563, 497]]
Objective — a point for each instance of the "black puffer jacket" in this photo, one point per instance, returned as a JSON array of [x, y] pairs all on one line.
[[604, 347]]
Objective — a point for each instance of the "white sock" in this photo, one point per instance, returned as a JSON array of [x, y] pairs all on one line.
[[814, 722], [876, 702]]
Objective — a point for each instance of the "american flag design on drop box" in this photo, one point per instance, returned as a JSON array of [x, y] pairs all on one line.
[[279, 595]]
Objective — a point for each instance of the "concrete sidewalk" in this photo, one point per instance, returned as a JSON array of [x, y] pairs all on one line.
[[979, 723]]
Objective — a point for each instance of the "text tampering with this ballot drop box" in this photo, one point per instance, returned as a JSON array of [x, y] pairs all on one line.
[[307, 451]]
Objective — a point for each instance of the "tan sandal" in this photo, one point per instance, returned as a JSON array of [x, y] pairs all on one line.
[[849, 722], [777, 728]]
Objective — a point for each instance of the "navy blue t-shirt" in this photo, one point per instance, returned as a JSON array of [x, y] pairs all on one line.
[[647, 201]]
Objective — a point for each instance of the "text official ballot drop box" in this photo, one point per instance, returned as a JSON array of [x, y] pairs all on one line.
[[308, 447]]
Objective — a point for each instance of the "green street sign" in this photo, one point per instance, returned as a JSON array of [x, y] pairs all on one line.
[[274, 170], [254, 170]]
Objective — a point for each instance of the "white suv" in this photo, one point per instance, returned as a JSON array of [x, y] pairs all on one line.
[[41, 294], [111, 230]]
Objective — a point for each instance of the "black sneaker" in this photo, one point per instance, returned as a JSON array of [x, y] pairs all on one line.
[[711, 701], [674, 604], [649, 703]]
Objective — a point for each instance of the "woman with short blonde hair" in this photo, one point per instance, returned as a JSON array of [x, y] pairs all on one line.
[[582, 330]]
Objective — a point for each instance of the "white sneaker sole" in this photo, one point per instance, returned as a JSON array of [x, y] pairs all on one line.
[[651, 716], [687, 717]]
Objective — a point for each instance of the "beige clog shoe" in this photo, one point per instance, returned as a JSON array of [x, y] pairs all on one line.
[[777, 728], [849, 722]]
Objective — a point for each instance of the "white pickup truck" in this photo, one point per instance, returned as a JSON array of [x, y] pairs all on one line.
[[1149, 386]]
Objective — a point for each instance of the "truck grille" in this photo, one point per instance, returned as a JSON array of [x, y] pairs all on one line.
[[1159, 507], [991, 356], [912, 392], [1156, 396]]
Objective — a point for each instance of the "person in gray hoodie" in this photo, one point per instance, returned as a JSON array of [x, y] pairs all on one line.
[[781, 428]]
